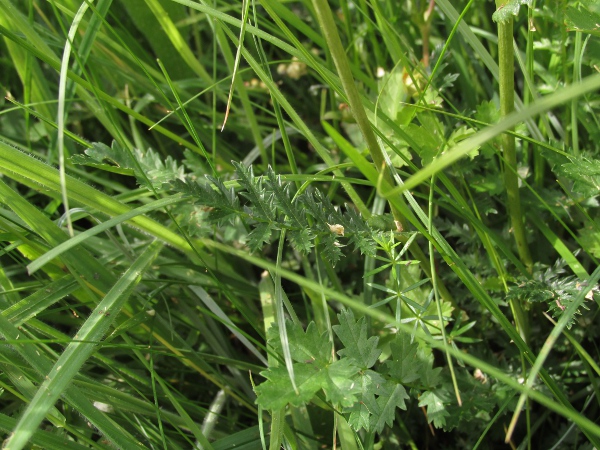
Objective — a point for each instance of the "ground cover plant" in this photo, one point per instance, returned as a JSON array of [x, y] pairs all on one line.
[[308, 224]]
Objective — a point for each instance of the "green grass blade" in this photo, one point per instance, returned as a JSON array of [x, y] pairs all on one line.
[[77, 353]]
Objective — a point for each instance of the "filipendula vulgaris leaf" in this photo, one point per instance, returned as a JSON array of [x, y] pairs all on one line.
[[509, 9], [300, 234], [221, 203], [157, 171], [261, 206], [118, 160], [552, 288], [331, 248], [112, 159], [259, 236], [585, 174], [313, 370], [353, 335], [360, 233]]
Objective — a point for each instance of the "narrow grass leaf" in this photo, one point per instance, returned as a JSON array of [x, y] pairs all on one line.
[[77, 353]]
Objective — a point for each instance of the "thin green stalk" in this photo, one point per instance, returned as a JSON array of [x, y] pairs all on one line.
[[340, 60], [436, 293], [506, 63], [576, 79], [507, 105]]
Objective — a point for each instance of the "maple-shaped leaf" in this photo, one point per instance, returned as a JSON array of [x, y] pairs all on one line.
[[507, 10], [306, 347], [112, 159], [390, 396], [360, 412], [353, 335], [429, 143], [278, 391], [584, 16], [259, 236], [478, 402], [428, 376], [340, 387], [589, 237], [405, 363], [435, 401]]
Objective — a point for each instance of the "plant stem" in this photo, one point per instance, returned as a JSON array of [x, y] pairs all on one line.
[[511, 178], [507, 102], [338, 54]]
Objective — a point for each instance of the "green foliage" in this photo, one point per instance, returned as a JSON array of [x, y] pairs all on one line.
[[139, 329], [553, 288], [509, 8], [368, 390], [149, 168]]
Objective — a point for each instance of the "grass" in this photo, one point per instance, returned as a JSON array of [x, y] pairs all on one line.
[[406, 258]]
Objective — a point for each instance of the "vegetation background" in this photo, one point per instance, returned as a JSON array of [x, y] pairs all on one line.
[[360, 224]]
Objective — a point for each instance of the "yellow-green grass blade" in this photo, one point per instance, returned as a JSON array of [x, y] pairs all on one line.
[[81, 237], [77, 353]]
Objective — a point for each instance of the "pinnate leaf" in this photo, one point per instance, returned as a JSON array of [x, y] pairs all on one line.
[[302, 239], [259, 236], [112, 159]]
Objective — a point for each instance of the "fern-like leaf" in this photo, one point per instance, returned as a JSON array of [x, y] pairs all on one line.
[[261, 202]]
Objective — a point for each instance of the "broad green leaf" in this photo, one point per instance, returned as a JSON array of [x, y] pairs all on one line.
[[305, 347], [357, 345], [340, 386], [406, 364], [277, 392], [360, 412], [584, 173], [583, 17], [435, 401], [390, 397]]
